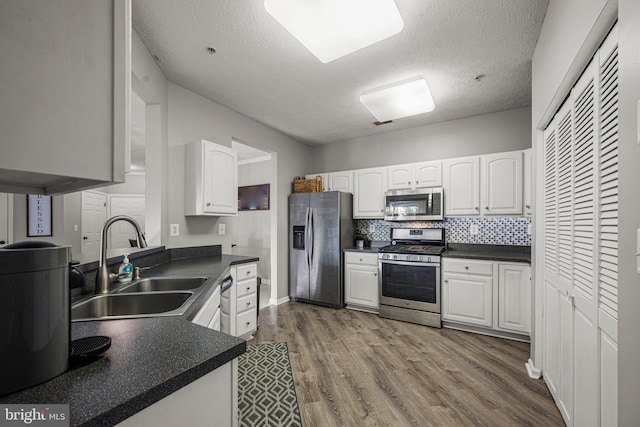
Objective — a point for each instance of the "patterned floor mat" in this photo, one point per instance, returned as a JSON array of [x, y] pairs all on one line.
[[266, 393]]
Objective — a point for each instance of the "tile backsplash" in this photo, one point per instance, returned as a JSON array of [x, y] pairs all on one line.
[[491, 230]]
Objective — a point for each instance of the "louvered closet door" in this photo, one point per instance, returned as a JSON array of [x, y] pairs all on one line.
[[585, 105], [580, 225], [558, 314], [608, 229]]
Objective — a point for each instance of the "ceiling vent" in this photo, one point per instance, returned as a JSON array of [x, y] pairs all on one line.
[[382, 123]]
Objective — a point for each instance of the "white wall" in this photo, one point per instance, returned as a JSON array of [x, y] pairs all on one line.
[[489, 133], [193, 117], [134, 184], [570, 34], [252, 229]]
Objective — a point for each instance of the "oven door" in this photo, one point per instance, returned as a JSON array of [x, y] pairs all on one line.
[[414, 285]]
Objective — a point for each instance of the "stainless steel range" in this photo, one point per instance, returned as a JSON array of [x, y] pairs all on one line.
[[409, 275]]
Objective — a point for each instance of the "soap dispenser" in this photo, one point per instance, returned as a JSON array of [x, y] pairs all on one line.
[[125, 272]]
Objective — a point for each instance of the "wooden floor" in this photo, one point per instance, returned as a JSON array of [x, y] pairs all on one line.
[[356, 369]]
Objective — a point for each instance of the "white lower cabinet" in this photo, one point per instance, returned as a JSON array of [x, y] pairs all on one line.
[[514, 297], [361, 281], [495, 296], [185, 406], [239, 304], [209, 314]]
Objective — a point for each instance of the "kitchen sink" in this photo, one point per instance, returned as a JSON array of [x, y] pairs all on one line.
[[111, 306], [164, 284]]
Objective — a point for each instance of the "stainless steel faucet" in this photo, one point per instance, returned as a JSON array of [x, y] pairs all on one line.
[[103, 277]]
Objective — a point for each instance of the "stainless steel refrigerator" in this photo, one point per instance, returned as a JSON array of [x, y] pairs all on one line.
[[320, 227]]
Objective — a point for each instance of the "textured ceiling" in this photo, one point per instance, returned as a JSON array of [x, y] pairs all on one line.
[[261, 71]]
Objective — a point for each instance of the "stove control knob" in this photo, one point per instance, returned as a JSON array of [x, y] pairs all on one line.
[[395, 257], [387, 256], [408, 257], [419, 258], [428, 259]]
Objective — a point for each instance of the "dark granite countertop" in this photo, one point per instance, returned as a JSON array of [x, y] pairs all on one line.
[[489, 252], [149, 358], [366, 249]]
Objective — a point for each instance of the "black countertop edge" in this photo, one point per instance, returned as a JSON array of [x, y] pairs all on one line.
[[506, 253]]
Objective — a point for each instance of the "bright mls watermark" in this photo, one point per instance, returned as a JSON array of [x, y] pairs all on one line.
[[36, 415]]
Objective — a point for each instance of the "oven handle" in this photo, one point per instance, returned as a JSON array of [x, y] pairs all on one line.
[[418, 264]]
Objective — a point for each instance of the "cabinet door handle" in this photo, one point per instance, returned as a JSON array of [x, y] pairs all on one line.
[[409, 183], [476, 208], [527, 206], [248, 273], [248, 288], [416, 182], [249, 303], [486, 207], [208, 203], [85, 238], [446, 281], [248, 323], [466, 267], [375, 274]]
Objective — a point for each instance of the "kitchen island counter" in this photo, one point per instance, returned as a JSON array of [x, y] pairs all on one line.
[[149, 358]]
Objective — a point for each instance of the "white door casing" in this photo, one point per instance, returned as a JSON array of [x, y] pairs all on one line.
[[6, 219]]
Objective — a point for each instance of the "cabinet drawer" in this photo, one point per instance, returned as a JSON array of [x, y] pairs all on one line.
[[248, 271], [467, 266], [245, 287], [361, 258], [246, 323], [247, 302]]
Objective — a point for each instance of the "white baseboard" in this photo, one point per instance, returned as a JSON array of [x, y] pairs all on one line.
[[273, 301], [532, 370]]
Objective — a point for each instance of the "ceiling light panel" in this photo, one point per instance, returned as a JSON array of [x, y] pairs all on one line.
[[397, 100], [331, 29]]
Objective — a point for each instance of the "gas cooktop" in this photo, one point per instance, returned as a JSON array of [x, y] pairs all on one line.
[[413, 249]]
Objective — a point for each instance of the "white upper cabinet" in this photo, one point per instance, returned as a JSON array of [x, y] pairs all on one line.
[[502, 183], [528, 181], [461, 186], [368, 195], [65, 82], [400, 177], [428, 174], [211, 178], [323, 176], [340, 181], [415, 175]]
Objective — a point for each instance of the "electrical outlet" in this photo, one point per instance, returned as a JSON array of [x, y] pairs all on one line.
[[473, 229], [174, 230], [372, 228], [75, 227], [222, 229]]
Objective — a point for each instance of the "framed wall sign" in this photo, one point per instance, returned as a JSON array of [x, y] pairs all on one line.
[[253, 198], [39, 216]]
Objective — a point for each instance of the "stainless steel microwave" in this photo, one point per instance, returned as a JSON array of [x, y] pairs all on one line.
[[422, 204]]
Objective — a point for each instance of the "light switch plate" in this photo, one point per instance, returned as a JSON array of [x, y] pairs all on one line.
[[75, 227], [474, 230], [372, 228], [174, 230], [222, 229]]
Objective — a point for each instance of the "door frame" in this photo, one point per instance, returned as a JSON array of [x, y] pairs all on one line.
[[9, 218]]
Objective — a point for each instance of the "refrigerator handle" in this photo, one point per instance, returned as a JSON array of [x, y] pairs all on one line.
[[311, 236], [306, 235]]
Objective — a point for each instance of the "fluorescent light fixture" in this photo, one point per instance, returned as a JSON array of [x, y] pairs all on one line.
[[331, 29], [400, 99]]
